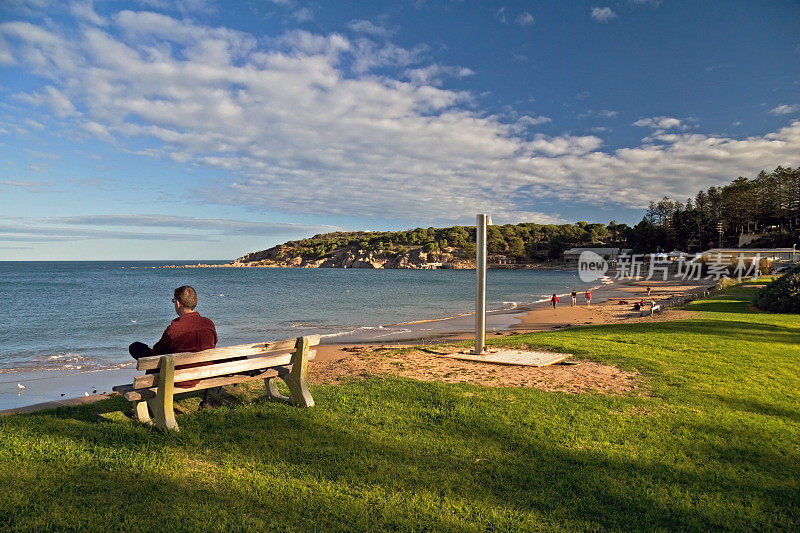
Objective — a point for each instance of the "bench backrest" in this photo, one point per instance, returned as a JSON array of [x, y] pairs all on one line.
[[249, 357]]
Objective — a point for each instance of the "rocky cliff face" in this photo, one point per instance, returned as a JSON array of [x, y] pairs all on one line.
[[353, 257]]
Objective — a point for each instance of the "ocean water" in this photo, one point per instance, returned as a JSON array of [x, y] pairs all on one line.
[[81, 316]]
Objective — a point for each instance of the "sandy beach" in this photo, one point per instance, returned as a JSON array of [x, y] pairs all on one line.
[[346, 358], [610, 304]]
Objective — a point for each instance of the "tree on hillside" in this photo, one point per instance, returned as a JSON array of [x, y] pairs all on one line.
[[770, 202]]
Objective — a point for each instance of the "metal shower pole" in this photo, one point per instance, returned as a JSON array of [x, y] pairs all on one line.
[[480, 296]]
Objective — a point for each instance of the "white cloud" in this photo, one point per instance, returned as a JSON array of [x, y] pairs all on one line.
[[196, 7], [217, 225], [28, 185], [303, 42], [98, 130], [6, 57], [50, 233], [603, 14], [500, 15], [502, 216], [784, 109], [603, 113], [84, 10], [533, 121], [298, 14], [564, 145], [368, 55], [304, 14], [661, 123], [369, 28], [25, 8], [434, 74], [59, 104], [42, 155], [33, 124], [525, 19], [525, 122], [303, 123]]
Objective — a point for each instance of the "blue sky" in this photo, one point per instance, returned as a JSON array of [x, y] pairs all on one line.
[[201, 130]]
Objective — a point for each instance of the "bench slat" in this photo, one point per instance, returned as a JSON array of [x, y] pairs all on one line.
[[135, 395], [213, 354], [225, 352], [220, 369], [227, 380], [139, 395], [122, 389]]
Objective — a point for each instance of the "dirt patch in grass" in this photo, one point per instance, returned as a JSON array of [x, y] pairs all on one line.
[[422, 365]]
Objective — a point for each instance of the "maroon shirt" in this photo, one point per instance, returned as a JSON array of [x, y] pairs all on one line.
[[188, 333]]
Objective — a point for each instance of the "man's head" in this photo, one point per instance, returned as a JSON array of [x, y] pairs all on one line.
[[185, 299]]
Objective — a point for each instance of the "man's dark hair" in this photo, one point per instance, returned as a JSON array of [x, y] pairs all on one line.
[[187, 296]]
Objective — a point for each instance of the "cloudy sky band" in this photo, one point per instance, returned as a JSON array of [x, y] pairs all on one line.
[[338, 123]]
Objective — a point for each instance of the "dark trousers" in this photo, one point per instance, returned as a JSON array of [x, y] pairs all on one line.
[[139, 349]]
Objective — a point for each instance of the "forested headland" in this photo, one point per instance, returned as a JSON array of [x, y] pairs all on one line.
[[765, 208]]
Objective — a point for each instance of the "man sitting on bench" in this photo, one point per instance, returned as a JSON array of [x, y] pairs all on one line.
[[190, 332]]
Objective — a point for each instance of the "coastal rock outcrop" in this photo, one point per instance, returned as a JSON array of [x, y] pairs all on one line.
[[353, 256]]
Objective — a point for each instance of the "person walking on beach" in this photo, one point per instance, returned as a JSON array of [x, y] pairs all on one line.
[[588, 298], [554, 301], [574, 298], [190, 332]]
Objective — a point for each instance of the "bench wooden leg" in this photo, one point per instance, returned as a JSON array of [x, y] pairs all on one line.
[[141, 411], [272, 389], [162, 404], [296, 380]]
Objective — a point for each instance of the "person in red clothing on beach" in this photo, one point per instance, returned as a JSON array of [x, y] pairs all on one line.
[[190, 332], [554, 301], [588, 298]]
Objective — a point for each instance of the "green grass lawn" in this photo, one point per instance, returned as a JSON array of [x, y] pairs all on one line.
[[710, 440]]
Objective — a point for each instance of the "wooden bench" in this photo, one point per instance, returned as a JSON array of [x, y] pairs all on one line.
[[656, 308], [286, 359]]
